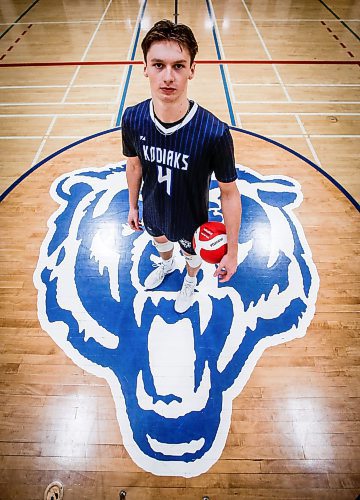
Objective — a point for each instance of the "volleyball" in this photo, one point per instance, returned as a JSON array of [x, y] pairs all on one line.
[[210, 241]]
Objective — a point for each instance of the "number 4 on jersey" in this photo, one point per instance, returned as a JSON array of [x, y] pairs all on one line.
[[165, 177]]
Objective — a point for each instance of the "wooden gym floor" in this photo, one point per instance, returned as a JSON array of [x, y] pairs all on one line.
[[295, 426]]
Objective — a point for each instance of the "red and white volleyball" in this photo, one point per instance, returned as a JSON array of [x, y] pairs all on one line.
[[210, 241]]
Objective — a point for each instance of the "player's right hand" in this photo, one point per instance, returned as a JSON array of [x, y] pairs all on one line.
[[133, 219]]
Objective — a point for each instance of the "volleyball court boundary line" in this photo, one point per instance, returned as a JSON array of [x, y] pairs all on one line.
[[200, 61], [18, 19], [130, 67], [237, 129], [340, 20], [218, 44]]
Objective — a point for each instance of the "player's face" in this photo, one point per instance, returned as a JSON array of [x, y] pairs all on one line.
[[169, 70]]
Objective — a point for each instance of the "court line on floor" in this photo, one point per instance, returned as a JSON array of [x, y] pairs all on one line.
[[15, 42], [125, 62], [268, 55], [280, 80], [250, 84], [338, 41], [247, 132], [297, 102], [58, 103], [111, 103], [90, 21], [84, 85], [51, 126], [338, 18], [288, 20], [125, 81], [316, 136], [243, 113], [110, 85], [309, 162], [18, 19], [289, 113], [220, 55], [22, 137], [45, 160], [86, 52], [19, 115]]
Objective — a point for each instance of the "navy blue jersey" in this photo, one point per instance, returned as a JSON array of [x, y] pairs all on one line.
[[177, 164]]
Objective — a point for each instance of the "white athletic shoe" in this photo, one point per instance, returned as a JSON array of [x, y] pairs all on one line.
[[157, 276], [185, 297]]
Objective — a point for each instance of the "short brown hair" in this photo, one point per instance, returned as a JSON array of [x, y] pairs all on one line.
[[166, 30]]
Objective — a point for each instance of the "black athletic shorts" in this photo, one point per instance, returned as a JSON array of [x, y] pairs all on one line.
[[185, 244]]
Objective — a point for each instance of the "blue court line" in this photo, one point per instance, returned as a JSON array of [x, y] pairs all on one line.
[[222, 71], [339, 19], [248, 132], [309, 162], [18, 19], [128, 76], [50, 157]]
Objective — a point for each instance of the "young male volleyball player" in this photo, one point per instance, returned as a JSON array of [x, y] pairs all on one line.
[[173, 146]]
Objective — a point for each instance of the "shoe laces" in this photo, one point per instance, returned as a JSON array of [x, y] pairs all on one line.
[[161, 265], [187, 289], [158, 264]]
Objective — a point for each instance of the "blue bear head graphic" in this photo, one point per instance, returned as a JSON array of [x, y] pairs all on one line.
[[173, 377]]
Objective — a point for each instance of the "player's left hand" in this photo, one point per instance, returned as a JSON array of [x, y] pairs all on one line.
[[226, 268]]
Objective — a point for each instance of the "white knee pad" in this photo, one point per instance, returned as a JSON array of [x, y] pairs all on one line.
[[163, 247], [193, 260]]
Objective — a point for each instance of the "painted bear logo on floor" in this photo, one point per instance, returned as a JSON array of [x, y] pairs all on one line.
[[173, 377]]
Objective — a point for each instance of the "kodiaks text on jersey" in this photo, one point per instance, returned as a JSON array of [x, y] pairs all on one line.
[[166, 157]]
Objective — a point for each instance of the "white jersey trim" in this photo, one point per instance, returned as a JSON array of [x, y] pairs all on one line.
[[178, 126]]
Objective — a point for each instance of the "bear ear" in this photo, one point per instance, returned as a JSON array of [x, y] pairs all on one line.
[[278, 198], [253, 177]]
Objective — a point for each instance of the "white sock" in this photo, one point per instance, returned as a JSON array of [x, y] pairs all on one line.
[[168, 263], [190, 279]]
